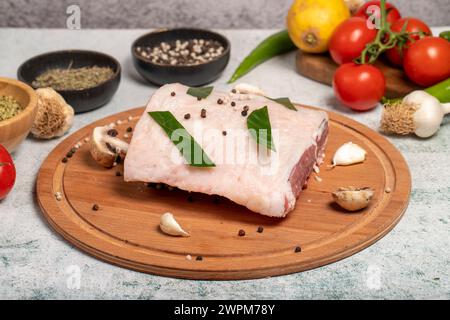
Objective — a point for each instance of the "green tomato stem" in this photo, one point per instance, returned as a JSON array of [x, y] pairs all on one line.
[[383, 15], [374, 49]]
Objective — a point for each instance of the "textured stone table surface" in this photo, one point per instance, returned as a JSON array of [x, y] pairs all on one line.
[[412, 261]]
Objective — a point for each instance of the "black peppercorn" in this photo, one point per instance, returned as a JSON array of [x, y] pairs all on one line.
[[298, 249], [95, 207], [241, 233], [260, 229], [187, 116], [172, 94], [233, 103], [199, 258], [112, 132], [129, 129]]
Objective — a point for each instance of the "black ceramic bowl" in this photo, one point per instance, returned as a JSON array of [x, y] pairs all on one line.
[[193, 75], [81, 100]]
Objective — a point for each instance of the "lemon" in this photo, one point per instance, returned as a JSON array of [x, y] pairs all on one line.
[[311, 22]]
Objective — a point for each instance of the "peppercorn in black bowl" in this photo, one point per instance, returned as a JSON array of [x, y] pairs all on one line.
[[192, 57], [86, 79]]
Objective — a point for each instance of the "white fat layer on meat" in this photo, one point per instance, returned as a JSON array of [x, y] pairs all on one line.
[[262, 186]]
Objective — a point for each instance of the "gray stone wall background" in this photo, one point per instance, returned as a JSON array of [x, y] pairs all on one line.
[[174, 13]]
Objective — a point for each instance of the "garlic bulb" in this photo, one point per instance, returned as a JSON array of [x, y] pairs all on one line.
[[349, 153], [418, 112], [352, 198], [54, 116], [170, 226]]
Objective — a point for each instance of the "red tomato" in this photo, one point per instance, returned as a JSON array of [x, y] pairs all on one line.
[[349, 39], [395, 55], [7, 173], [427, 61], [392, 12], [358, 86]]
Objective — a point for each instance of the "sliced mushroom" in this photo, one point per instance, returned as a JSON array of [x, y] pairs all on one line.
[[352, 198], [106, 148]]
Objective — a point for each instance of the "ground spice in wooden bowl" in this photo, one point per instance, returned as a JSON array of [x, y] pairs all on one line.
[[9, 107], [182, 52], [73, 78]]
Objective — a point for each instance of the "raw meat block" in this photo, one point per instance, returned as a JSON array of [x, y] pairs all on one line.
[[267, 182]]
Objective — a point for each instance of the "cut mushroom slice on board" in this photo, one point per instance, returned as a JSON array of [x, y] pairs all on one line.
[[106, 148]]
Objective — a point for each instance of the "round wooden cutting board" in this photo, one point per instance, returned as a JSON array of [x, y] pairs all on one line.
[[124, 231]]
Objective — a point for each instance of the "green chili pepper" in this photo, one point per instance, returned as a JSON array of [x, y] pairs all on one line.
[[440, 91], [272, 46], [445, 35]]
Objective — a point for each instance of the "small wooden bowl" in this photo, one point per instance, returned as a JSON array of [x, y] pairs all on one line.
[[81, 100], [191, 75], [14, 130]]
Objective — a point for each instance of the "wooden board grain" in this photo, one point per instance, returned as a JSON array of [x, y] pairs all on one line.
[[321, 68], [124, 231]]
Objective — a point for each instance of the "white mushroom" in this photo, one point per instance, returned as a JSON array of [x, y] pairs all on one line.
[[170, 226], [352, 198], [105, 148]]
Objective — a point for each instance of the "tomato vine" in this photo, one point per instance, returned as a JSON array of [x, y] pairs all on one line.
[[386, 39]]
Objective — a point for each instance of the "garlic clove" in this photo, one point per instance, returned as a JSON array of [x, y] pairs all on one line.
[[349, 153], [170, 226], [352, 198]]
